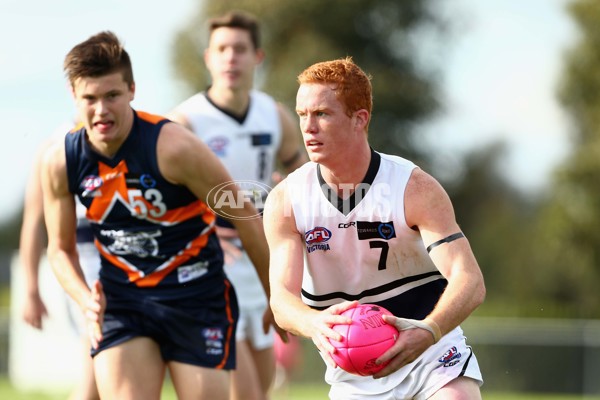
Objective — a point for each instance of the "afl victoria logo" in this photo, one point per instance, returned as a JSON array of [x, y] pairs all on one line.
[[224, 199], [317, 235]]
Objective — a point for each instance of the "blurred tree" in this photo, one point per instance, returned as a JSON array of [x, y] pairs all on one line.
[[488, 208], [385, 38], [9, 233], [567, 243], [382, 36]]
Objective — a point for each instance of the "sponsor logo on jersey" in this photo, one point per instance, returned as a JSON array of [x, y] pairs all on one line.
[[145, 181], [346, 225], [451, 357], [90, 185], [261, 139], [218, 145], [317, 238], [187, 273], [375, 230], [213, 340], [139, 244]]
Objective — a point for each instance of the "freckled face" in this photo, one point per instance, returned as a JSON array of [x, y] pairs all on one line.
[[325, 126]]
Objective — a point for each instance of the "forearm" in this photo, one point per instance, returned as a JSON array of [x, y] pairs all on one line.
[[255, 244], [462, 296], [261, 265], [30, 254], [33, 239], [291, 313], [67, 270]]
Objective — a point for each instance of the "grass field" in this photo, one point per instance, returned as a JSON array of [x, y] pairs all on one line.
[[295, 392]]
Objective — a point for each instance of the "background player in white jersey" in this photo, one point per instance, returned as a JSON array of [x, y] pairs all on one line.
[[250, 132], [31, 249], [354, 226]]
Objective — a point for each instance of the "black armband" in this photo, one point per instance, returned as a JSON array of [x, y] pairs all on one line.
[[447, 239]]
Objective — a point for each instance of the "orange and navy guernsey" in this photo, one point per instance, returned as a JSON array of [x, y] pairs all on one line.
[[154, 237]]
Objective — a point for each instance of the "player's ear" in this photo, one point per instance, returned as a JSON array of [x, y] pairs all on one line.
[[361, 119], [71, 89], [132, 91], [260, 56]]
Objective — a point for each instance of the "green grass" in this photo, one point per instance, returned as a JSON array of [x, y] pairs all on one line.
[[313, 391]]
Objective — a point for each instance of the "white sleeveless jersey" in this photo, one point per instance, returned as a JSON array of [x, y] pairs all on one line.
[[364, 251], [247, 148]]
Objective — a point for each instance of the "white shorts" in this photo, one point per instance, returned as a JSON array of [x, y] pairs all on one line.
[[441, 363], [251, 299], [250, 328]]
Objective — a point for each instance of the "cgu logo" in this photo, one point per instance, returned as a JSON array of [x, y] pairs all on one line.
[[317, 235]]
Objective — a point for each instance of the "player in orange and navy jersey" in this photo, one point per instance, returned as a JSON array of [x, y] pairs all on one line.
[[163, 299]]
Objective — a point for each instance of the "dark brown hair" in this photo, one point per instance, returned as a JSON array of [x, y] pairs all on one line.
[[237, 19], [101, 54]]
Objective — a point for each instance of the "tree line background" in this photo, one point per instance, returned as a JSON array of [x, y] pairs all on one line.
[[539, 255]]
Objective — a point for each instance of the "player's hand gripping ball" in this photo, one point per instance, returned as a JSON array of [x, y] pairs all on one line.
[[363, 341]]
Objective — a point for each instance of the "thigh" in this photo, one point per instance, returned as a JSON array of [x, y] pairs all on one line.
[[245, 381], [192, 382], [264, 362], [86, 386], [131, 370], [461, 388]]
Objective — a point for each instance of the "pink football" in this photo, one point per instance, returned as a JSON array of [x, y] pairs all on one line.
[[363, 341]]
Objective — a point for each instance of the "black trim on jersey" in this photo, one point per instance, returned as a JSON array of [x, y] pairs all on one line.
[[369, 292], [447, 239], [239, 118], [345, 206], [464, 368]]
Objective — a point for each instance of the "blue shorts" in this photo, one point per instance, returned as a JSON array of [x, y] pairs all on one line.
[[198, 331]]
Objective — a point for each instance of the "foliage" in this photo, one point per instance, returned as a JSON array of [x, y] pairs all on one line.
[[497, 221], [9, 233], [382, 36], [539, 256], [567, 234], [536, 262]]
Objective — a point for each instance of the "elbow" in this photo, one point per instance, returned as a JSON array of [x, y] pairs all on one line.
[[479, 293], [276, 313], [278, 316]]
